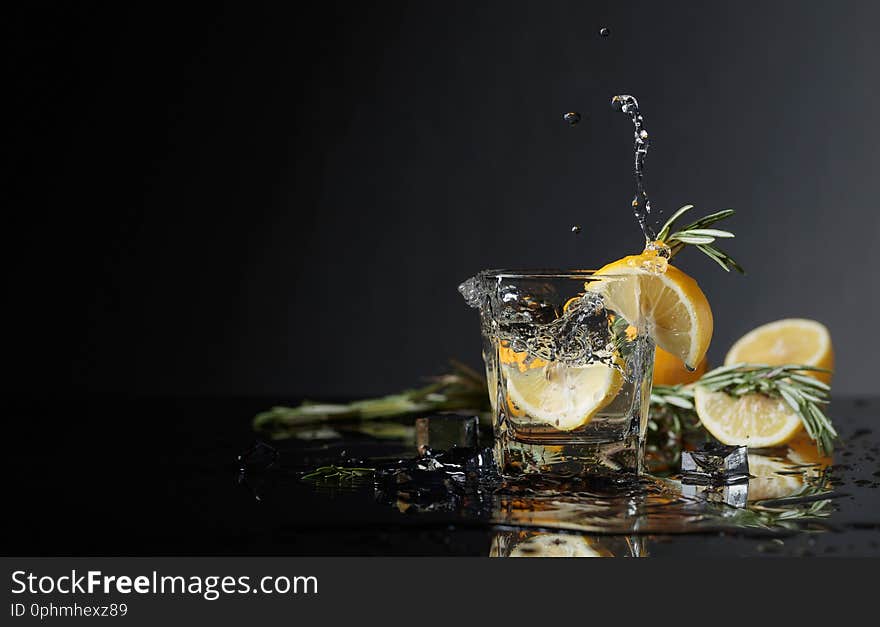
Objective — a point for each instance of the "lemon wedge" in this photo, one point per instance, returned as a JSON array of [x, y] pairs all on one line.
[[669, 304]]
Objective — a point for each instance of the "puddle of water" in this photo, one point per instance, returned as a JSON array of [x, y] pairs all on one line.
[[791, 490]]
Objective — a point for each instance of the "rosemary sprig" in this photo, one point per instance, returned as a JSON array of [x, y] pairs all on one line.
[[698, 235], [672, 397], [672, 424], [463, 388]]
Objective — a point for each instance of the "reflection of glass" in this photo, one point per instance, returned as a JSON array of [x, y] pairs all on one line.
[[546, 544], [569, 380]]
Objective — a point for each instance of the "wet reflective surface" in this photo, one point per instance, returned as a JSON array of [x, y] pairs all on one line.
[[188, 477]]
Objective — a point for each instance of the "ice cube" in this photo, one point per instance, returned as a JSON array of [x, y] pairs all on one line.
[[715, 464], [442, 432]]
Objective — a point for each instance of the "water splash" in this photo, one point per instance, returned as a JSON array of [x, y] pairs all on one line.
[[641, 204]]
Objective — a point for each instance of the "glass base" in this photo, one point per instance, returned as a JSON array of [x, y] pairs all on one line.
[[618, 458]]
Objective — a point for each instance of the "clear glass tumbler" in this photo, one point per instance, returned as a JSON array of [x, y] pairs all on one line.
[[569, 378]]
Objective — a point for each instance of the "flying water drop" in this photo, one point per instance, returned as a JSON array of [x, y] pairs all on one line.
[[572, 117]]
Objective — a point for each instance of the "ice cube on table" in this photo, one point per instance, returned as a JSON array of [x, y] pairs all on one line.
[[715, 464], [442, 432]]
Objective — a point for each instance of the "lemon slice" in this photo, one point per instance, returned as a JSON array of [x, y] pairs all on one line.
[[789, 341], [752, 420], [555, 545], [659, 297], [565, 397]]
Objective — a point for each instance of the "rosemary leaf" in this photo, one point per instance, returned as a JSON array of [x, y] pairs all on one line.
[[698, 235]]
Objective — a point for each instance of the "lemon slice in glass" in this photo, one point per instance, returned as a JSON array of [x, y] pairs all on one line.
[[563, 396]]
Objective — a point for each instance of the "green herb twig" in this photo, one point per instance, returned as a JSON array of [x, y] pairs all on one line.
[[672, 424], [697, 234], [463, 388]]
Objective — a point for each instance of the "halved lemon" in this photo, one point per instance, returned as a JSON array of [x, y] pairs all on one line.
[[788, 341], [659, 297], [565, 397], [752, 420]]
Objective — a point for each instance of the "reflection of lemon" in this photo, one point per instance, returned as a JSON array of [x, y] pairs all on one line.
[[565, 397], [802, 450], [753, 420], [647, 291], [789, 341], [555, 545], [767, 483], [670, 370]]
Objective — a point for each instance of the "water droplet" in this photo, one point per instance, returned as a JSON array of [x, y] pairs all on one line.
[[604, 31], [572, 117], [576, 229], [660, 248]]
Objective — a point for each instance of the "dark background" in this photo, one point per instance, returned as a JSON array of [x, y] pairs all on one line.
[[281, 201]]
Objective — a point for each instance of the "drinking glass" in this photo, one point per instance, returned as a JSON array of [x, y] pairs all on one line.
[[569, 377]]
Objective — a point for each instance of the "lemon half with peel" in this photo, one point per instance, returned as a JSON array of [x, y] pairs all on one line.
[[668, 303], [752, 420], [563, 396], [788, 341]]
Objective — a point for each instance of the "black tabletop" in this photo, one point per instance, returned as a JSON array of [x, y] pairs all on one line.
[[117, 476]]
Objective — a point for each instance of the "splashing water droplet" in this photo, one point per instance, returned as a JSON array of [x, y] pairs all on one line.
[[572, 117], [576, 229], [660, 248], [641, 204], [604, 31]]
